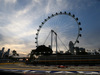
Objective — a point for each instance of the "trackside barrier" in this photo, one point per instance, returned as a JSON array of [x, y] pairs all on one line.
[[83, 68], [65, 72], [11, 63]]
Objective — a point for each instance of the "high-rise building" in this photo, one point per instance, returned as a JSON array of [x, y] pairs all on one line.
[[71, 47], [6, 54], [2, 52]]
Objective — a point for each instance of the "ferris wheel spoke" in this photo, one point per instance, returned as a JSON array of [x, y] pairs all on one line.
[[58, 27]]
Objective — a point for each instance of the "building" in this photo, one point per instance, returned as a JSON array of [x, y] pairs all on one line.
[[4, 54], [71, 47]]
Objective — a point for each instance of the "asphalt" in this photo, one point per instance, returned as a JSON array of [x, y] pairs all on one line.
[[30, 68], [22, 66]]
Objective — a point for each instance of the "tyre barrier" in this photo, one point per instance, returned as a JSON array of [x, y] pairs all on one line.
[[37, 71]]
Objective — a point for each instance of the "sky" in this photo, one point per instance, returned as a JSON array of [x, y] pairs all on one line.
[[20, 19]]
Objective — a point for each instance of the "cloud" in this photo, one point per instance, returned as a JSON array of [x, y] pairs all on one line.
[[20, 19], [15, 27], [56, 6], [10, 1]]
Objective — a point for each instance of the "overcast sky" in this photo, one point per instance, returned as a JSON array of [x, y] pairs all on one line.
[[20, 19]]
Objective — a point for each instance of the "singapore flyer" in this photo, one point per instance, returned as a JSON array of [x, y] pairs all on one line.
[[58, 30]]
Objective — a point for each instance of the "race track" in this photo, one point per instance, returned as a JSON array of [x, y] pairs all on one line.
[[22, 68]]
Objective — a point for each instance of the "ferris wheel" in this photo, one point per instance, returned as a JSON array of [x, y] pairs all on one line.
[[60, 23]]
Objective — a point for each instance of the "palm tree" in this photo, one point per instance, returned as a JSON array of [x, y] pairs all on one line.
[[14, 53]]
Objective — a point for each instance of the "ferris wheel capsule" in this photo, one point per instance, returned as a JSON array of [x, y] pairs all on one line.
[[73, 15], [81, 29], [38, 30], [57, 14], [76, 19], [42, 22], [35, 37], [48, 17], [60, 12], [77, 41], [69, 13], [79, 23], [40, 26], [36, 33], [52, 15], [35, 42], [65, 12], [45, 19], [80, 35]]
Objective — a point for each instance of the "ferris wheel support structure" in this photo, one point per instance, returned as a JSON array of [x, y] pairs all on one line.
[[52, 31]]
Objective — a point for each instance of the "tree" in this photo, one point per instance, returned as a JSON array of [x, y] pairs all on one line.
[[43, 50], [14, 53], [31, 57]]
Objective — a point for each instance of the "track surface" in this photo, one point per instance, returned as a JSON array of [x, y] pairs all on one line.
[[21, 66], [48, 69]]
